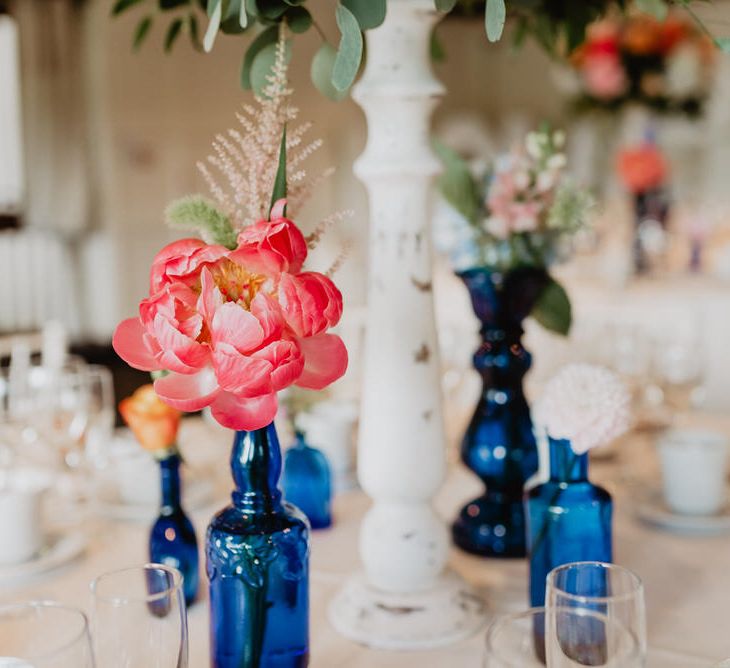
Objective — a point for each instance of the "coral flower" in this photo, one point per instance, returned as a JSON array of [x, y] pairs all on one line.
[[642, 168], [153, 423], [235, 327]]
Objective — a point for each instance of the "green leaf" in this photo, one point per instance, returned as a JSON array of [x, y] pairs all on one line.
[[263, 39], [194, 32], [369, 13], [445, 5], [723, 43], [495, 15], [122, 5], [656, 8], [172, 34], [215, 12], [272, 9], [438, 54], [321, 72], [171, 4], [143, 27], [196, 212], [279, 191], [552, 309], [263, 65], [456, 183], [298, 19], [349, 52]]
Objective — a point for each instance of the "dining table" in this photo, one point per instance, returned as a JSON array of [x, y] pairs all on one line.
[[686, 576]]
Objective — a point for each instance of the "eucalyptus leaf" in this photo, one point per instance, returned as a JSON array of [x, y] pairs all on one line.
[[552, 309], [723, 43], [272, 9], [349, 52], [656, 8], [445, 5], [438, 54], [123, 5], [369, 13], [143, 28], [495, 15], [171, 4], [279, 191], [215, 11], [321, 72], [298, 19], [263, 65], [456, 183], [194, 32], [172, 34], [263, 39]]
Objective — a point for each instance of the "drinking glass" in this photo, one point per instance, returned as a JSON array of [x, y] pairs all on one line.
[[139, 618], [100, 414], [516, 641], [614, 592], [41, 634]]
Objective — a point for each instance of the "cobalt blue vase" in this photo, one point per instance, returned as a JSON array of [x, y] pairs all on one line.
[[568, 518], [172, 538], [307, 482], [257, 552], [499, 445]]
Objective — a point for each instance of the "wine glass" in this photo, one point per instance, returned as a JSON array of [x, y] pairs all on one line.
[[516, 641], [100, 413], [679, 367], [139, 618], [614, 592], [41, 634]]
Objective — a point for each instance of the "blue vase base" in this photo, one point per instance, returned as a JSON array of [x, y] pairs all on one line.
[[491, 527]]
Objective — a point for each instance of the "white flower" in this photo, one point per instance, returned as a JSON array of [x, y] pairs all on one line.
[[558, 139], [585, 404], [534, 144], [557, 161], [497, 227]]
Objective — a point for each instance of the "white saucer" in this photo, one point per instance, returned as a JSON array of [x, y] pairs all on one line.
[[60, 550], [197, 493], [655, 512]]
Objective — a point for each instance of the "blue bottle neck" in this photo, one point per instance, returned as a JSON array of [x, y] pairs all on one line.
[[566, 465], [256, 468], [170, 483]]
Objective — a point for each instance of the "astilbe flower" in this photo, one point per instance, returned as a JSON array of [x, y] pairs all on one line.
[[233, 327], [585, 404]]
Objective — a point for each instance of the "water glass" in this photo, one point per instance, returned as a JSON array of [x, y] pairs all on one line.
[[516, 641], [139, 618], [44, 635], [613, 592]]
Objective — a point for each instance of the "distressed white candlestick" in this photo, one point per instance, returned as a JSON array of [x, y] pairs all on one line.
[[405, 598]]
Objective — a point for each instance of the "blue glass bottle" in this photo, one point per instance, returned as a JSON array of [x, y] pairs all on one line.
[[499, 445], [257, 553], [172, 538], [568, 518], [307, 482]]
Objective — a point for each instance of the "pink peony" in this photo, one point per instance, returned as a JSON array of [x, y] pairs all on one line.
[[604, 76], [235, 327]]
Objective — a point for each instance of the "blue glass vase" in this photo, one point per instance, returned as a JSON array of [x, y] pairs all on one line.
[[172, 538], [307, 482], [568, 518], [257, 553], [499, 445]]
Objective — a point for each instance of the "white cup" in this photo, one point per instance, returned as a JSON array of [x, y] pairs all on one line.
[[21, 526], [694, 465], [138, 476]]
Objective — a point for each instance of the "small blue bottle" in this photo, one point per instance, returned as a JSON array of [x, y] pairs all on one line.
[[257, 553], [307, 482], [568, 518], [172, 538]]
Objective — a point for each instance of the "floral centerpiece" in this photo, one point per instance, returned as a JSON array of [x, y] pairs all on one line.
[[513, 223], [232, 319], [665, 65]]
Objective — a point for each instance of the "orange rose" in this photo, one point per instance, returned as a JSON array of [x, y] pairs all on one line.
[[153, 423], [642, 168], [642, 36]]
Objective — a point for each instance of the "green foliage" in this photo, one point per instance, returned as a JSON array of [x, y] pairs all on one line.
[[321, 72], [122, 5], [279, 190], [457, 185], [445, 5], [349, 52], [552, 309], [143, 27], [495, 15], [198, 213], [264, 39], [657, 8], [172, 34], [263, 66], [369, 13]]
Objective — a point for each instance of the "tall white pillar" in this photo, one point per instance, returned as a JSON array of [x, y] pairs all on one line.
[[405, 598]]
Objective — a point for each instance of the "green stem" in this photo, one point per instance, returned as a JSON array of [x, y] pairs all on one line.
[[258, 607]]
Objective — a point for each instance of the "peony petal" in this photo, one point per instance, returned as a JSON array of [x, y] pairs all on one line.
[[287, 362], [130, 344], [236, 326], [257, 260], [244, 414], [179, 352], [325, 360], [241, 375], [210, 296], [188, 392], [268, 313], [277, 211]]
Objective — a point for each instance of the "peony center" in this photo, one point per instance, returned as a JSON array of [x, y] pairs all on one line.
[[236, 283]]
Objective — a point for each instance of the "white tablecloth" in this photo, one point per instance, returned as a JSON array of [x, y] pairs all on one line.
[[687, 579]]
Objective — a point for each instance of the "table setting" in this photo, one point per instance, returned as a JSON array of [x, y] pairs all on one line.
[[512, 454]]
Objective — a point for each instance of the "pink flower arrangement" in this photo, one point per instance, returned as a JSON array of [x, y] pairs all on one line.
[[233, 327]]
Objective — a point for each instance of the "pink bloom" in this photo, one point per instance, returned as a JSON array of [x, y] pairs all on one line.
[[604, 76], [235, 327]]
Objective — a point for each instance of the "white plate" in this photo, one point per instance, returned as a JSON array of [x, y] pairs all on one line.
[[60, 550], [197, 493], [654, 511]]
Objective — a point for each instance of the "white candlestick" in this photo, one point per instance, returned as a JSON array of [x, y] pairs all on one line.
[[404, 599], [11, 165]]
